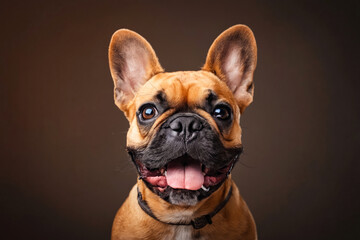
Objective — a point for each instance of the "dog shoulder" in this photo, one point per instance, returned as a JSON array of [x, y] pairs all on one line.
[[132, 223]]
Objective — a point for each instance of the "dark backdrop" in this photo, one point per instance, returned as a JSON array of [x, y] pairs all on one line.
[[64, 170]]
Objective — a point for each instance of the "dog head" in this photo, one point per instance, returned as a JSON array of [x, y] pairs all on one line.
[[185, 133]]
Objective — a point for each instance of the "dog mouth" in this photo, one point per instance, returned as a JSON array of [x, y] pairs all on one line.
[[184, 173]]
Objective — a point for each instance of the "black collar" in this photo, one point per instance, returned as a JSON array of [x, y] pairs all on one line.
[[197, 223]]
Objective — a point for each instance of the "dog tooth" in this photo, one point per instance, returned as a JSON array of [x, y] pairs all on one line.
[[165, 173], [204, 188]]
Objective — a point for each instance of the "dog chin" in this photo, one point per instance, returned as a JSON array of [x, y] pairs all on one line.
[[183, 197], [184, 181]]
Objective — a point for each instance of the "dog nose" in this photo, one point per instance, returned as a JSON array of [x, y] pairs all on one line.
[[186, 126]]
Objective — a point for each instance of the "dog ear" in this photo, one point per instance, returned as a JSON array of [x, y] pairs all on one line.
[[232, 57], [132, 62]]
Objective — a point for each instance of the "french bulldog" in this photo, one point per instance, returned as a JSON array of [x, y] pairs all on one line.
[[184, 139]]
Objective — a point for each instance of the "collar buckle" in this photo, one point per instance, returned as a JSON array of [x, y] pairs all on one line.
[[201, 222]]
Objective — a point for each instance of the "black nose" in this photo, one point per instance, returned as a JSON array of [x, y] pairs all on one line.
[[187, 127]]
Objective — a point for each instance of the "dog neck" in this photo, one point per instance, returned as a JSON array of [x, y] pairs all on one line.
[[198, 216]]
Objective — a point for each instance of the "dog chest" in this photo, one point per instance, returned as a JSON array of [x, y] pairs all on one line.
[[183, 232]]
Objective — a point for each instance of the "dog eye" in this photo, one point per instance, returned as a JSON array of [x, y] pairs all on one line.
[[148, 112], [222, 112]]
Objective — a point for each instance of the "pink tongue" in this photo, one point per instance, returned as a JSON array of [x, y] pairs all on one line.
[[184, 176]]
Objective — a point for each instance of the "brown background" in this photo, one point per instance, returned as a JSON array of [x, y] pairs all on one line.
[[64, 170]]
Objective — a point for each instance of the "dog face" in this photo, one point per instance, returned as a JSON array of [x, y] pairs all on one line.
[[185, 133]]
